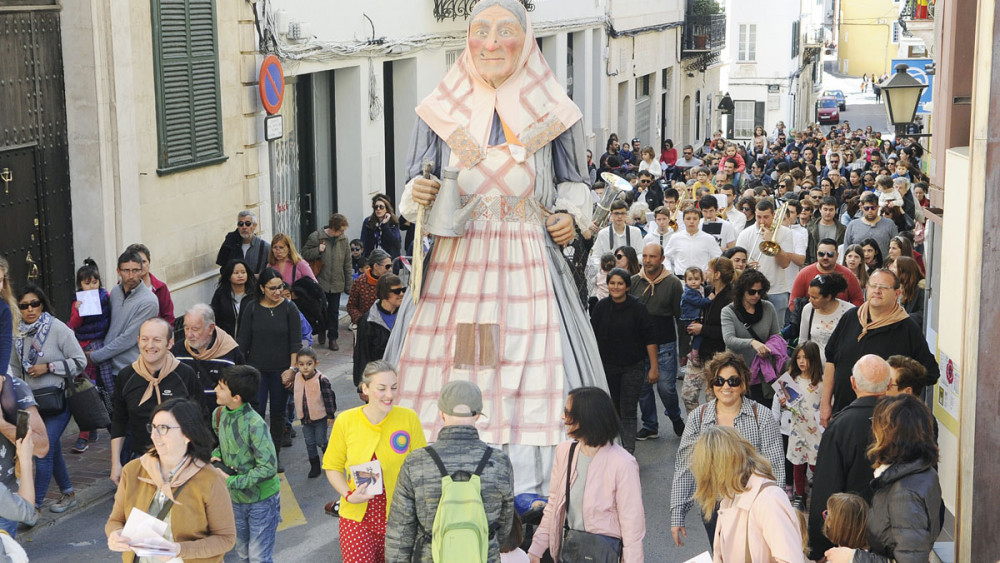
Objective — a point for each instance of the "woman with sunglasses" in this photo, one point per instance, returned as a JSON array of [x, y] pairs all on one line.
[[381, 229], [175, 482], [749, 322], [47, 357], [728, 375], [375, 327], [627, 259], [270, 334]]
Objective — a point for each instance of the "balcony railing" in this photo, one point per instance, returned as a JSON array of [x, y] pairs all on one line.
[[455, 9], [912, 10], [703, 34], [814, 35]]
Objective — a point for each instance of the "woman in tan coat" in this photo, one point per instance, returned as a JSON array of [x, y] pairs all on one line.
[[176, 483]]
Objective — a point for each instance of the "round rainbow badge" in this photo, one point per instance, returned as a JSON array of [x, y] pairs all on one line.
[[400, 441]]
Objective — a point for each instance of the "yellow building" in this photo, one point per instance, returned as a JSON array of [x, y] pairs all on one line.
[[868, 36]]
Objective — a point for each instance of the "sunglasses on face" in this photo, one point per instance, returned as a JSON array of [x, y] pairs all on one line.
[[754, 292], [380, 206], [744, 209], [29, 305], [869, 207], [244, 223], [619, 256], [274, 287], [822, 254], [398, 290], [734, 381]]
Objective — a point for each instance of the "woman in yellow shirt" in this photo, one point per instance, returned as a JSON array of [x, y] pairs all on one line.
[[378, 431]]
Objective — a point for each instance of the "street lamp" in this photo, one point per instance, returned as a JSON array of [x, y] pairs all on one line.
[[902, 96]]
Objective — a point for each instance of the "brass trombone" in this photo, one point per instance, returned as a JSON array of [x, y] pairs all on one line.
[[771, 247]]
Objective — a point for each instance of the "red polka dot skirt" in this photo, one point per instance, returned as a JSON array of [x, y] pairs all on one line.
[[364, 541]]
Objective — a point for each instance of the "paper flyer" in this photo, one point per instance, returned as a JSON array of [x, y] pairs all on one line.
[[370, 473]]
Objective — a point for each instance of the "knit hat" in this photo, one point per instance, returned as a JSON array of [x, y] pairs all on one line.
[[377, 256], [461, 398]]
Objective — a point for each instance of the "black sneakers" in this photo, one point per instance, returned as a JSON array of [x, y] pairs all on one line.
[[678, 426], [646, 435]]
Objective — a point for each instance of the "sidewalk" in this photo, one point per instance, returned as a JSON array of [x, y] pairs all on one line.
[[89, 472]]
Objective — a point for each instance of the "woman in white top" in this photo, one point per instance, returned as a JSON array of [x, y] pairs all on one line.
[[821, 315]]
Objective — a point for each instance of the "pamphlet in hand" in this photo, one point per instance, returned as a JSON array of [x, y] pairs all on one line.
[[145, 534], [703, 557], [90, 302], [788, 388], [370, 473]]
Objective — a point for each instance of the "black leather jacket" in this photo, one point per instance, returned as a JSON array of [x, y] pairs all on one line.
[[905, 517]]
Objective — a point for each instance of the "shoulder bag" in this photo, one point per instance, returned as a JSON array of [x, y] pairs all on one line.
[[317, 264], [579, 546], [87, 405]]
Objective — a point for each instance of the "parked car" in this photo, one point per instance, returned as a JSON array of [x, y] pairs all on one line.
[[841, 98], [827, 110]]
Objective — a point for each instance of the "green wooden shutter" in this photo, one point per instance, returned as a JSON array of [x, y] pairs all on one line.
[[186, 67]]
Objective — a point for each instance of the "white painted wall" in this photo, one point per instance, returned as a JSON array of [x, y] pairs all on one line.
[[748, 81]]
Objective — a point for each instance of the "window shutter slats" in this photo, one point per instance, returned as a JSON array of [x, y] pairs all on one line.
[[186, 59]]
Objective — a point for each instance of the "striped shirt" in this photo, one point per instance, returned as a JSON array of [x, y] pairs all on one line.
[[759, 428]]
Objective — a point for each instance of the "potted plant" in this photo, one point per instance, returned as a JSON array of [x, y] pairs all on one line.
[[703, 8]]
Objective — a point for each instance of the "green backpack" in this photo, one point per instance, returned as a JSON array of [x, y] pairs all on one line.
[[461, 530]]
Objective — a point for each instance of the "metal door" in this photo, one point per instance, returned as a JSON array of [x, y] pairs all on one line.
[[284, 155], [20, 231]]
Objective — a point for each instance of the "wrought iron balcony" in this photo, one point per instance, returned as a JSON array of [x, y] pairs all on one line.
[[703, 34], [455, 9], [814, 35]]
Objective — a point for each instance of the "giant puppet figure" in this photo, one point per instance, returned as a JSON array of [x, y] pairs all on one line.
[[499, 306]]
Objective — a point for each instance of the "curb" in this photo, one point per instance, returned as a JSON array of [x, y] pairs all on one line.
[[85, 498]]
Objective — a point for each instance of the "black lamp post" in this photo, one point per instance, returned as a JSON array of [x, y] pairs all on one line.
[[902, 97]]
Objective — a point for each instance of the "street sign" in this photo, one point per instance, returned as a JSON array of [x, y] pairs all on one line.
[[917, 69], [274, 127], [272, 84]]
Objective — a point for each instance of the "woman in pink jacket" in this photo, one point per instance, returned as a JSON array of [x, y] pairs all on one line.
[[756, 521], [605, 479]]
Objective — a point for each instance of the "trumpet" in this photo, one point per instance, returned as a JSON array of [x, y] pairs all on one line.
[[771, 247]]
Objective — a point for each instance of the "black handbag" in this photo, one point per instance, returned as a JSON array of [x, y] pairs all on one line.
[[50, 400], [579, 546], [87, 406]]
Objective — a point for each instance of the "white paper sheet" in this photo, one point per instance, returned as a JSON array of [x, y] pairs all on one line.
[[90, 303], [703, 557], [145, 535]]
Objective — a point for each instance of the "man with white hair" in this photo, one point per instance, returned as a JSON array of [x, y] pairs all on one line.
[[244, 243], [841, 464], [207, 349]]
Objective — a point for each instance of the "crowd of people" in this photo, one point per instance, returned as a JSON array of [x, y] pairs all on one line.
[[781, 280]]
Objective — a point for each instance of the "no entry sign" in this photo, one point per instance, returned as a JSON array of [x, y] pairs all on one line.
[[272, 84]]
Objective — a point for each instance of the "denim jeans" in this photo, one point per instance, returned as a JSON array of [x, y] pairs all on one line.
[[256, 527], [780, 302], [666, 387], [271, 387], [624, 384], [332, 315], [315, 437], [53, 462]]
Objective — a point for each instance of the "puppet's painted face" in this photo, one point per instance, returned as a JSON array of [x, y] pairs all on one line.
[[496, 40]]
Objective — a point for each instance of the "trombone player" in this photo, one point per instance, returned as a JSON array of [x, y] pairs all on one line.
[[770, 246]]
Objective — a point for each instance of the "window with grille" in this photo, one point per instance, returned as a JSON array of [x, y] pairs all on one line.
[[186, 70], [748, 43], [743, 119], [450, 57]]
